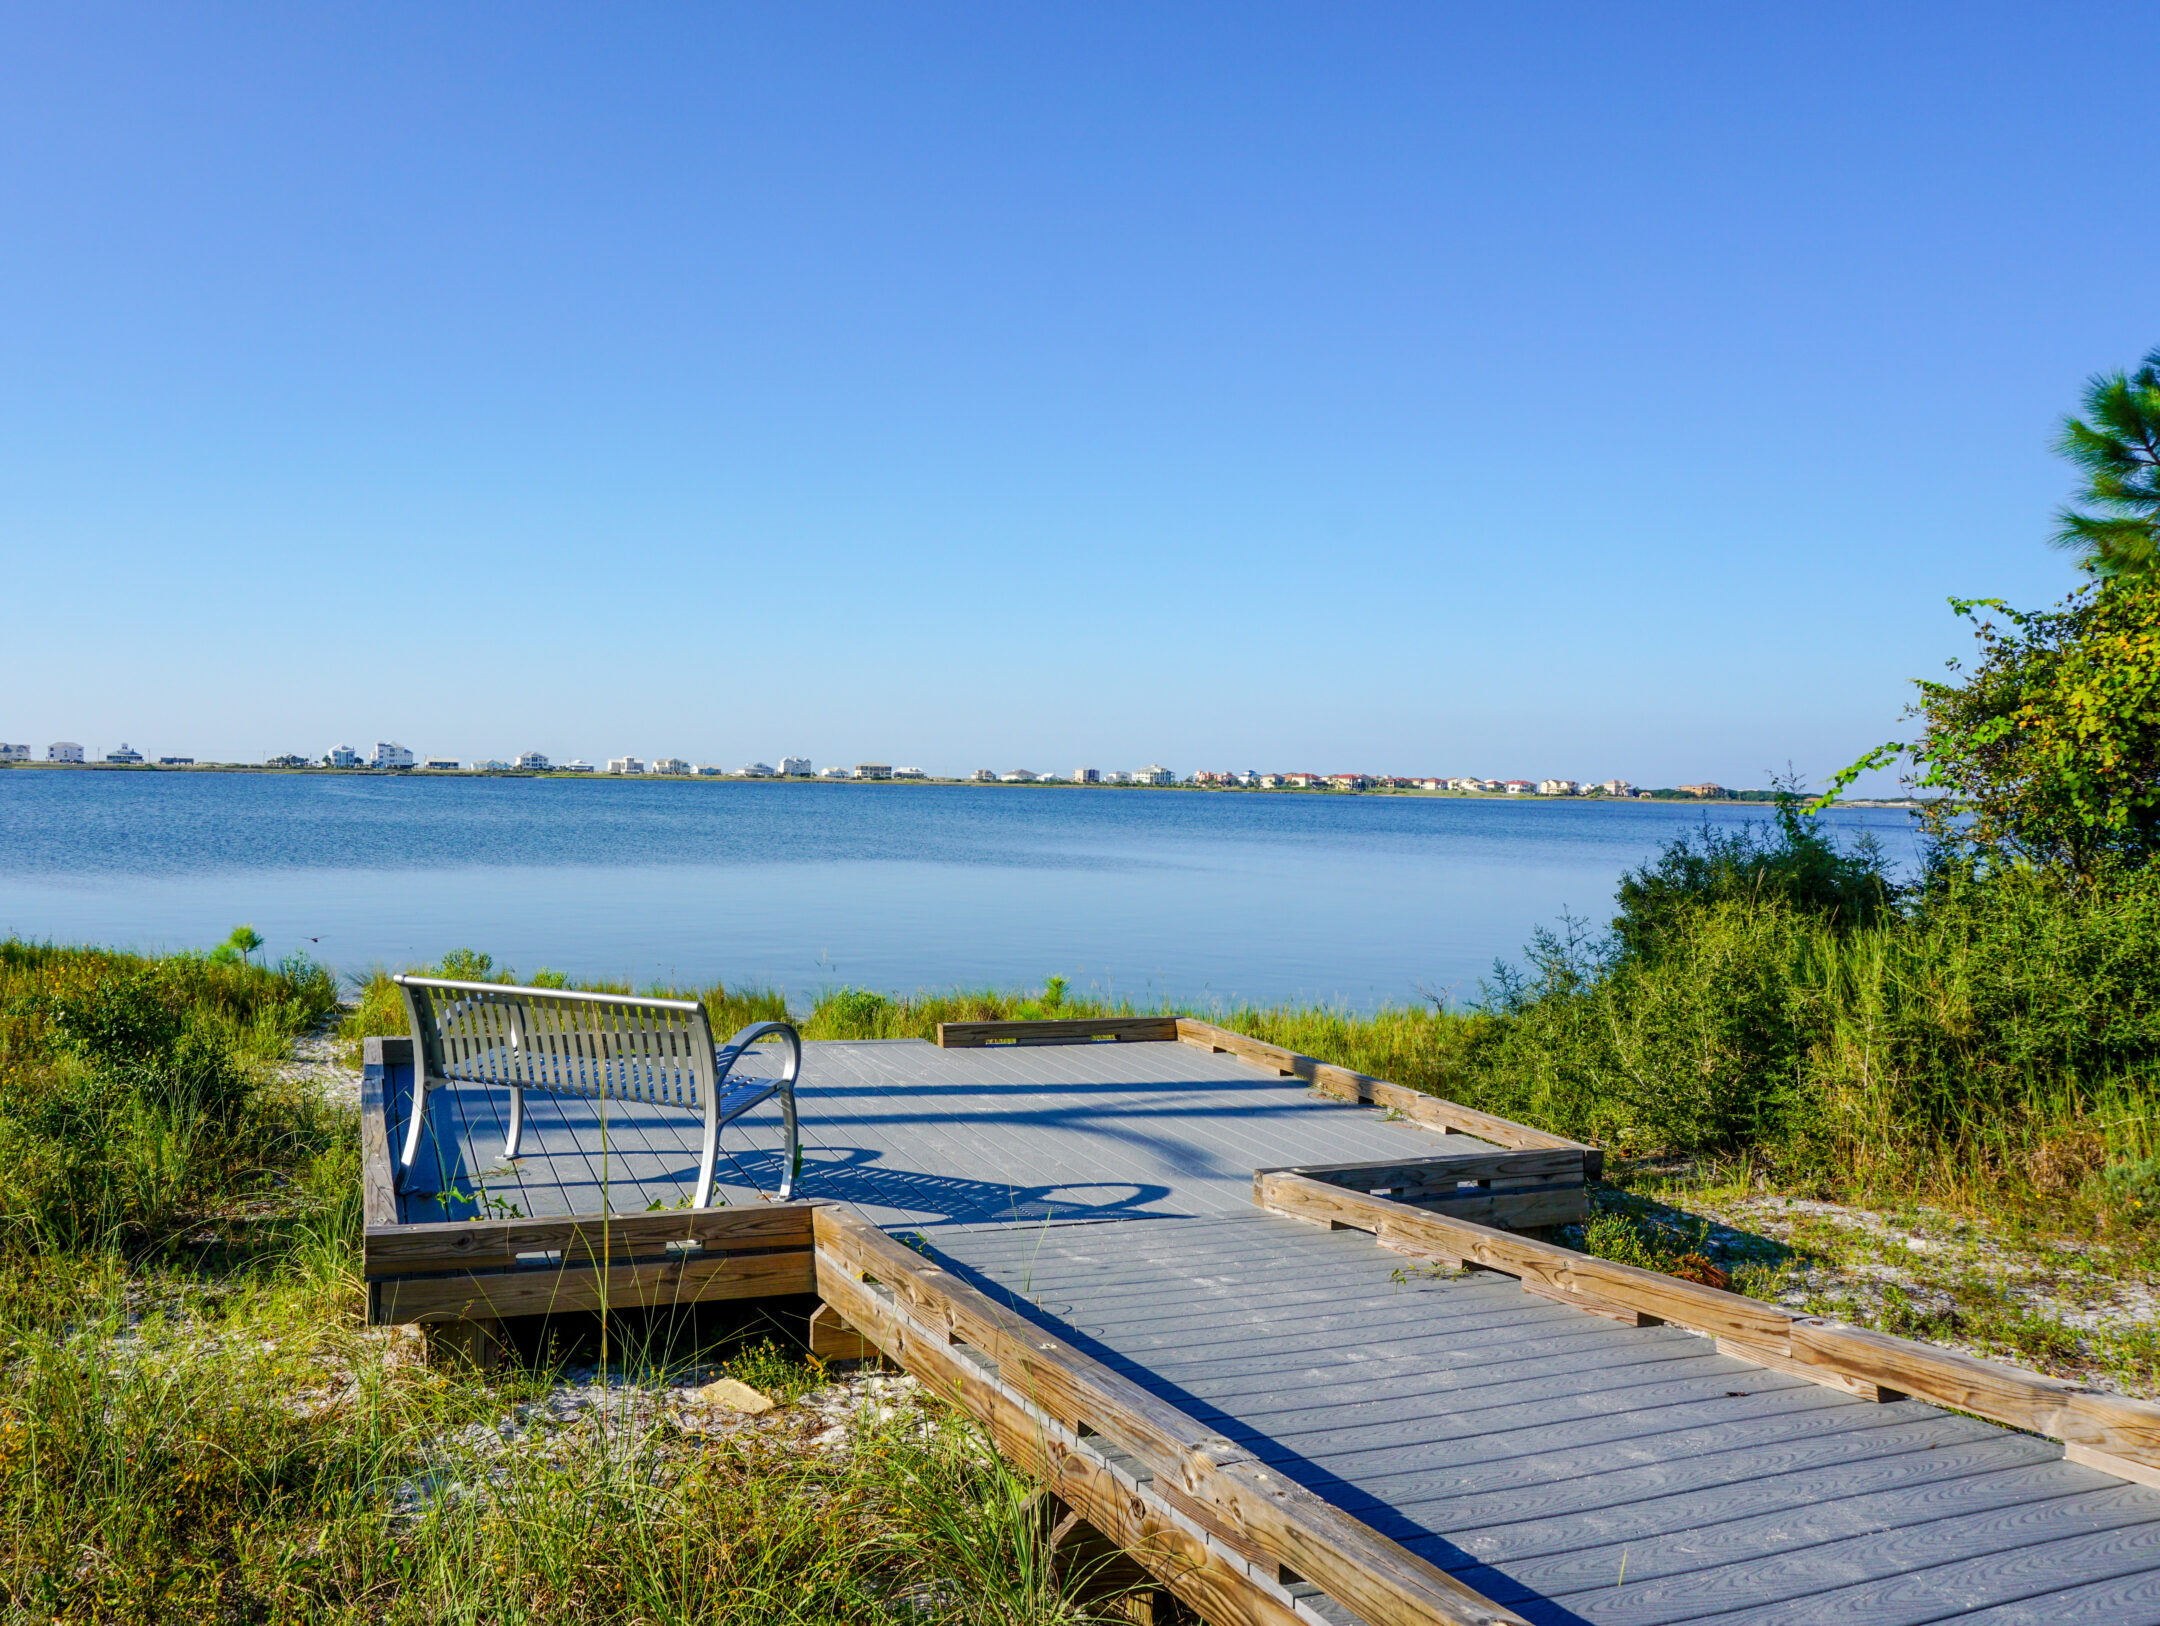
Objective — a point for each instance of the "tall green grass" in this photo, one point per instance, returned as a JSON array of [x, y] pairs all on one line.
[[196, 1425]]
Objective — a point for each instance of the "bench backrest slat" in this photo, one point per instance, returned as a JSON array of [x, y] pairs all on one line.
[[657, 1051]]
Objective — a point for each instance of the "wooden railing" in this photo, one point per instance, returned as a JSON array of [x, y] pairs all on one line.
[[1229, 1535], [1343, 1083], [2110, 1432]]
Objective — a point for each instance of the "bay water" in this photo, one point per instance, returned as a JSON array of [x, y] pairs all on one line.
[[1141, 893]]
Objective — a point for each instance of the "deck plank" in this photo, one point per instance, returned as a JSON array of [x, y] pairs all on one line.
[[1526, 1446]]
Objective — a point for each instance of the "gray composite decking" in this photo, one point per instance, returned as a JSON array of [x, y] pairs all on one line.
[[912, 1135], [1570, 1468]]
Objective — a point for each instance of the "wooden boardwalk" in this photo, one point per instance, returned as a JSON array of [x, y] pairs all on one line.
[[1568, 1468], [1208, 1292], [911, 1135]]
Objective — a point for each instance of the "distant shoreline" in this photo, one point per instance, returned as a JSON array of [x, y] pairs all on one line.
[[1745, 798]]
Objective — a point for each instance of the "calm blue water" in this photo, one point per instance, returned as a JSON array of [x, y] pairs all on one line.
[[1363, 900]]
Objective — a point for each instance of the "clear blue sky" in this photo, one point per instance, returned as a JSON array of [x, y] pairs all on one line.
[[1515, 390]]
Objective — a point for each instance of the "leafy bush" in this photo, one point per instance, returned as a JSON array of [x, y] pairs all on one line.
[[128, 1094], [1795, 863]]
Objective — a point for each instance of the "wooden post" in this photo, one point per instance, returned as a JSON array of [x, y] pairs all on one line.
[[832, 1339], [478, 1344]]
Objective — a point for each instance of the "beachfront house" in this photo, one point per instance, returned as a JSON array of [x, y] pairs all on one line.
[[625, 765], [575, 765], [1155, 774], [63, 751], [834, 772], [532, 762], [1704, 790], [1087, 776], [984, 776], [176, 762], [341, 756], [909, 773], [710, 770], [873, 770], [126, 754], [1518, 787], [669, 765], [1019, 776], [1557, 787], [390, 754], [440, 764], [14, 753], [795, 767], [1617, 787], [1350, 781], [756, 770]]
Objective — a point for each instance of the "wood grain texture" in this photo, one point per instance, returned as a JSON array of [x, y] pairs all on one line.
[[548, 1291], [378, 1189], [1865, 1388], [1238, 1496], [1346, 1084], [1862, 1362], [831, 1338], [2067, 1411], [1208, 1574], [1078, 1030], [1556, 1269], [476, 1245]]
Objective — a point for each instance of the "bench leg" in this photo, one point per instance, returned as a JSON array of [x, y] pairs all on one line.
[[709, 1158], [792, 1165]]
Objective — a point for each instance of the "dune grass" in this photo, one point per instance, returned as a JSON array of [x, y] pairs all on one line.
[[196, 1424]]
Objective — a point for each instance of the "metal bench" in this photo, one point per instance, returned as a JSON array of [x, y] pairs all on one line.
[[601, 1046]]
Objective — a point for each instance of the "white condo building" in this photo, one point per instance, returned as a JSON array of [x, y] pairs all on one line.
[[390, 754], [63, 751], [625, 765]]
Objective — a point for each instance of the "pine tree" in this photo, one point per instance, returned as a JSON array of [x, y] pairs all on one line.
[[2117, 444]]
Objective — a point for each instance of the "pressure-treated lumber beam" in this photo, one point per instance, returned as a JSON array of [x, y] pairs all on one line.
[[1349, 1085], [1075, 1420], [481, 1245], [1516, 1188], [1062, 1030], [2111, 1432], [550, 1290], [378, 1192]]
